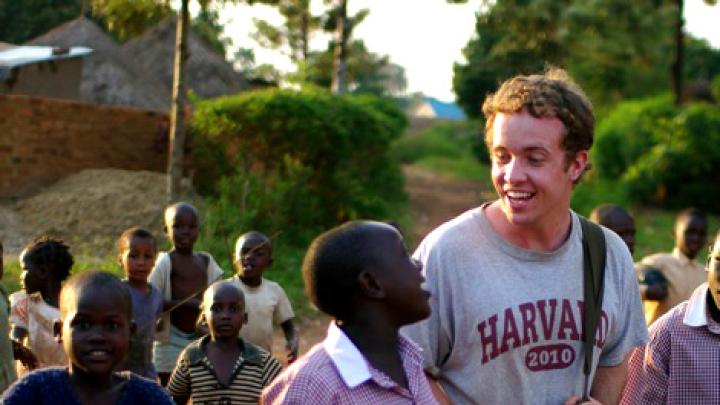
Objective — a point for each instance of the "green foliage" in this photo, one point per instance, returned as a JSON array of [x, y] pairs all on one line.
[[613, 48], [447, 139], [127, 19], [592, 191], [715, 86], [628, 132], [682, 168], [327, 154], [665, 156], [23, 20]]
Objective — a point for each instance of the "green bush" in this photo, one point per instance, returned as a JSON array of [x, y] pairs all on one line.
[[628, 132], [338, 145], [682, 169], [448, 139]]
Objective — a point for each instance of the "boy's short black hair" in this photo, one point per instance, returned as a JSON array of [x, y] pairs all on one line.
[[332, 265], [173, 209], [51, 254], [95, 279], [134, 232], [602, 213], [253, 235], [688, 213]]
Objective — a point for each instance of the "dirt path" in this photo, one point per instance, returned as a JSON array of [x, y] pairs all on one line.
[[434, 199]]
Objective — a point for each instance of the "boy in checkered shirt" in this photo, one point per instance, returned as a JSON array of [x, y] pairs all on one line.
[[360, 274], [679, 365]]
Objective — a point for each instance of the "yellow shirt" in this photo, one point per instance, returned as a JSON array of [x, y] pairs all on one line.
[[683, 276]]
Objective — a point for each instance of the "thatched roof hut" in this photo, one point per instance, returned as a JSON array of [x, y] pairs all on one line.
[[108, 77], [208, 73]]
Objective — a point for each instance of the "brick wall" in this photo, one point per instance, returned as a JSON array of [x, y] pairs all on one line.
[[43, 140]]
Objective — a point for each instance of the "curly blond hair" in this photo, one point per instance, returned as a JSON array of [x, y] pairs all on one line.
[[552, 94]]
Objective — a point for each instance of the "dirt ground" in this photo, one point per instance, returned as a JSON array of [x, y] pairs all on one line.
[[90, 210]]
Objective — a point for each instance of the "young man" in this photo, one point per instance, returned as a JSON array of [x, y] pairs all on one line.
[[678, 273], [506, 278], [680, 363]]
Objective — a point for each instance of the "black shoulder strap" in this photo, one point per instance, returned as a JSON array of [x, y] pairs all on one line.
[[594, 252]]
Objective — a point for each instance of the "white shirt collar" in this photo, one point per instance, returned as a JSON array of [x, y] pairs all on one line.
[[348, 360], [695, 314]]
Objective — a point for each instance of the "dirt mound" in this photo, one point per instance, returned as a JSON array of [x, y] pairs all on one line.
[[91, 208]]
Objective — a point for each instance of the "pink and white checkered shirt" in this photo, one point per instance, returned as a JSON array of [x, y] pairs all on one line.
[[681, 362], [335, 372]]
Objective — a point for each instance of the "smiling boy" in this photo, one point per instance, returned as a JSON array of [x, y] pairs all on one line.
[[679, 273], [506, 278]]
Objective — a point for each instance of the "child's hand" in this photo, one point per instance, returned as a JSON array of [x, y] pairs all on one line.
[[25, 355], [292, 349]]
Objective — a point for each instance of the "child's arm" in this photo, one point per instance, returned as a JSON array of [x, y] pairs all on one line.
[[293, 339], [179, 385]]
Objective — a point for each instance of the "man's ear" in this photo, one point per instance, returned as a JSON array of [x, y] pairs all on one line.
[[578, 165], [369, 285], [245, 319], [57, 330], [133, 328]]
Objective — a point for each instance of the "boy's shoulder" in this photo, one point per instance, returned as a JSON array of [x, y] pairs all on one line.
[[141, 390], [53, 381], [313, 371]]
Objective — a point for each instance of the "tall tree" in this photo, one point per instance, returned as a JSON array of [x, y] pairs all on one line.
[[294, 33], [127, 19], [677, 73], [23, 20], [613, 48], [342, 25]]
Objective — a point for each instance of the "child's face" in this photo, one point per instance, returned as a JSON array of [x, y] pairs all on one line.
[[252, 257], [138, 258], [713, 268], [32, 277], [690, 235], [400, 276], [96, 330], [225, 314], [182, 229]]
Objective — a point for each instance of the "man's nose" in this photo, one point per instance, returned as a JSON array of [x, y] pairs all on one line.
[[514, 172]]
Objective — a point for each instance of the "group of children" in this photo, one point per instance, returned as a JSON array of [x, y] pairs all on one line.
[[90, 335], [173, 330]]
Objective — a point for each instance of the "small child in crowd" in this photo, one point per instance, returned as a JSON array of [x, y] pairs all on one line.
[[360, 274], [618, 220], [137, 250], [678, 274], [181, 275], [94, 328], [222, 368], [7, 361], [46, 263], [265, 301]]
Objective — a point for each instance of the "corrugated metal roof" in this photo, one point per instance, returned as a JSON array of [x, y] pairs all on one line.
[[27, 55], [448, 111]]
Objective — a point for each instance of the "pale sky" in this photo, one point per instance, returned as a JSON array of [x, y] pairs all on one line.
[[423, 36]]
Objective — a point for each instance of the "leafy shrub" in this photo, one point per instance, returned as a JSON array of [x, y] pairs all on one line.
[[682, 169], [628, 132], [320, 159]]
